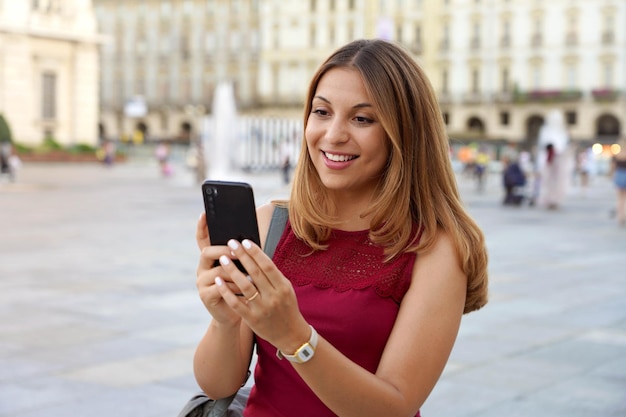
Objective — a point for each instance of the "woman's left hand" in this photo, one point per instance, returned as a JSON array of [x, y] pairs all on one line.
[[269, 305]]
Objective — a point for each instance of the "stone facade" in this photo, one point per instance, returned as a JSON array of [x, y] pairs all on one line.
[[498, 66], [49, 70], [170, 56]]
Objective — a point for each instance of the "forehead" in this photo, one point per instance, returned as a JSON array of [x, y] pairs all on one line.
[[338, 82]]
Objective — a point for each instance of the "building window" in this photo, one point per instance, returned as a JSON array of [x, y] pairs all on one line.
[[446, 118], [536, 39], [536, 81], [505, 80], [48, 109], [504, 118], [571, 118], [475, 40], [571, 76], [608, 75], [505, 40], [475, 81], [445, 38]]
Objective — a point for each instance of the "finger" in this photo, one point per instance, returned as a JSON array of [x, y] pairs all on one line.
[[262, 263], [250, 264], [210, 255], [248, 289], [234, 301], [202, 232]]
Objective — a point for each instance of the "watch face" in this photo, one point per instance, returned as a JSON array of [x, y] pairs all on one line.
[[306, 353]]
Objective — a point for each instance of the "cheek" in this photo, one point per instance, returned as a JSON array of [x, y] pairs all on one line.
[[310, 137]]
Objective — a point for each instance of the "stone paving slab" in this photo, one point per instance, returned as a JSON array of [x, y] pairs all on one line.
[[99, 313]]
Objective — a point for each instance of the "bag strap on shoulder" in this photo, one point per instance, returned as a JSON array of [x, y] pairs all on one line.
[[277, 226]]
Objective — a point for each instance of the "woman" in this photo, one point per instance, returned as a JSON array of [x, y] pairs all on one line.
[[618, 172], [376, 266]]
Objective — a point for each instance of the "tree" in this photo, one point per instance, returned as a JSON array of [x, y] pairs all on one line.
[[5, 130]]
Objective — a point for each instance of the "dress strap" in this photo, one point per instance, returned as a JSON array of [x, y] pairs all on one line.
[[277, 226]]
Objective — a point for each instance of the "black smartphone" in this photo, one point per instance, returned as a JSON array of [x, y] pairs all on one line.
[[230, 213]]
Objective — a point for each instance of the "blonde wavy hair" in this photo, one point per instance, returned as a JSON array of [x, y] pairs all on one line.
[[418, 187]]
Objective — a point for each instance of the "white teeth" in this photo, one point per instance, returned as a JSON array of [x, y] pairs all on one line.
[[339, 158]]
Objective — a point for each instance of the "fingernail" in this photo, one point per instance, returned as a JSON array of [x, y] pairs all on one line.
[[249, 278], [246, 244], [233, 244], [224, 260], [219, 281]]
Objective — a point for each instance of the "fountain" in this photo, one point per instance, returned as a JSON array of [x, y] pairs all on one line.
[[221, 137]]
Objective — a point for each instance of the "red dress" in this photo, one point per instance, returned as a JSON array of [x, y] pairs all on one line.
[[352, 299]]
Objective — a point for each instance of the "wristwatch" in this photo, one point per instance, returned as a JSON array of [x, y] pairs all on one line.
[[304, 353]]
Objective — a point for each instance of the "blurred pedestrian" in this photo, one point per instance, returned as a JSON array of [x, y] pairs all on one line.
[[618, 172], [286, 150], [584, 169], [554, 165], [108, 153], [162, 153], [9, 161], [514, 180], [481, 168]]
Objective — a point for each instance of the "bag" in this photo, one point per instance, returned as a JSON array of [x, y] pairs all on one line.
[[202, 406]]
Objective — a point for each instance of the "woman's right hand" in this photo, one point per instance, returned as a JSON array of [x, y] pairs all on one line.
[[207, 273]]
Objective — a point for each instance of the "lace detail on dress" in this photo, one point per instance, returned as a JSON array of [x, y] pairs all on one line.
[[351, 262]]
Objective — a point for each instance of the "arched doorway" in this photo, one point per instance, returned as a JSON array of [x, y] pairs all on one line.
[[607, 128], [533, 125], [186, 128], [476, 126], [140, 135]]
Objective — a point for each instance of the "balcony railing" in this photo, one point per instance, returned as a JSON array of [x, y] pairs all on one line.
[[503, 97], [472, 98], [605, 94], [548, 96]]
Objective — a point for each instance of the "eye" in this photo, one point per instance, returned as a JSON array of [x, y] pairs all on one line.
[[363, 120], [320, 112]]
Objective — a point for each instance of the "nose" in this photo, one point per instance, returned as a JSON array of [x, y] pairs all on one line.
[[337, 131]]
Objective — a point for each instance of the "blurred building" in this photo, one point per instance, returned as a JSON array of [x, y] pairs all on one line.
[[49, 70], [165, 59], [297, 36], [498, 66]]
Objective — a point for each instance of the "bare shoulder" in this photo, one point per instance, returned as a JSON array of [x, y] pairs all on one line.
[[443, 249], [439, 269]]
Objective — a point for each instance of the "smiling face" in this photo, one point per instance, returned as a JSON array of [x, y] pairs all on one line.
[[346, 142]]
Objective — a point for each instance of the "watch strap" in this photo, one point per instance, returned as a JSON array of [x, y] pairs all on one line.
[[305, 352]]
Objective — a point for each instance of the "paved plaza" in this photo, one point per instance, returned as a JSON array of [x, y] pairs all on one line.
[[99, 314]]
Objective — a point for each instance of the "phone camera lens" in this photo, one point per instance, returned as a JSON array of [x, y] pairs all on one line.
[[209, 191]]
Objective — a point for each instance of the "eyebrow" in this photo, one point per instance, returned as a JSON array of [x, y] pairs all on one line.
[[356, 106]]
